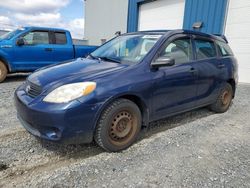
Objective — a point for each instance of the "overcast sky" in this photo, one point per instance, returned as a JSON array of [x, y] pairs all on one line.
[[68, 14]]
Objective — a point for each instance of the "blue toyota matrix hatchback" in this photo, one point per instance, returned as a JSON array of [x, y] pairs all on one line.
[[133, 79]]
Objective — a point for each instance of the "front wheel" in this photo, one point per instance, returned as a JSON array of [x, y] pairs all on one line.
[[3, 71], [224, 99], [118, 126]]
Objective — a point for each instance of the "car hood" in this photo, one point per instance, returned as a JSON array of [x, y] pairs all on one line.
[[74, 71]]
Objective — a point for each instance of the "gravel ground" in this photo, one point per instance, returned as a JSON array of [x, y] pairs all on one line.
[[195, 149]]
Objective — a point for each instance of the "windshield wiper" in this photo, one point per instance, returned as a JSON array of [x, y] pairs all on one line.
[[110, 59], [93, 57]]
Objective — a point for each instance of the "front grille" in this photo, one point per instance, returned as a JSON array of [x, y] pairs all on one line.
[[33, 90]]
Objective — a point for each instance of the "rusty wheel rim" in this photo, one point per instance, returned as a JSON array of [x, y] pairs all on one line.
[[226, 98], [123, 127]]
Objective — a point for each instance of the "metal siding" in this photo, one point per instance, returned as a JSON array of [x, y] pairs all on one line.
[[133, 13], [211, 13]]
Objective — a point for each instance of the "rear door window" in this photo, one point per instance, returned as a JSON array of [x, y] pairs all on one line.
[[60, 38], [205, 49]]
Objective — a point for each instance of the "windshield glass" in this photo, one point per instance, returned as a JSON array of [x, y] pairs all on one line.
[[127, 48], [10, 34]]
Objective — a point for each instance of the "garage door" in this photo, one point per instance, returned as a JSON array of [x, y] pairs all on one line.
[[161, 14], [238, 34]]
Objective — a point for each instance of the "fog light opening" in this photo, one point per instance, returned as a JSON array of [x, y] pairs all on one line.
[[54, 134]]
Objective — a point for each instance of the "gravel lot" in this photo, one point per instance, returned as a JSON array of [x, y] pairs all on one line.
[[195, 149]]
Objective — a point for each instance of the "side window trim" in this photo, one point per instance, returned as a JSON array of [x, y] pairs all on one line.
[[219, 54], [51, 37]]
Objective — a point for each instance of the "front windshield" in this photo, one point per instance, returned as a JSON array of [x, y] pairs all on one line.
[[129, 49], [10, 34]]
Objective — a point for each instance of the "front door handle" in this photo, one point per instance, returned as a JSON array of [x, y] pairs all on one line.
[[48, 49], [192, 70]]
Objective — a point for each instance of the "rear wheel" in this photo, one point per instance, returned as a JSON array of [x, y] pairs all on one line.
[[3, 71], [118, 126], [224, 100]]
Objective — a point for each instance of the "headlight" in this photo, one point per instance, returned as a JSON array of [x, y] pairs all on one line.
[[70, 92]]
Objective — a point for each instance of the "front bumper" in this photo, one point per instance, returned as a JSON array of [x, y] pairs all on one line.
[[73, 122]]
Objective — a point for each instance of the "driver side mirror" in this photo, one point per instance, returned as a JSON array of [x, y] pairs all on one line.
[[163, 62], [20, 42]]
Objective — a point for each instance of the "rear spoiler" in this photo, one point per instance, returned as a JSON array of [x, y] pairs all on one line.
[[223, 37]]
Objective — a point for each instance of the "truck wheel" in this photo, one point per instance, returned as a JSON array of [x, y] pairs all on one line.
[[224, 100], [118, 126], [3, 71]]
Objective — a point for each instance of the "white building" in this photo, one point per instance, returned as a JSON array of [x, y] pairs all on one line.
[[103, 18]]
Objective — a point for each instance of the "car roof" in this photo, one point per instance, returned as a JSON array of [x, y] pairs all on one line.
[[178, 31], [45, 28]]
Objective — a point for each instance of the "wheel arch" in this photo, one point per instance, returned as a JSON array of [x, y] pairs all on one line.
[[132, 97], [233, 84], [5, 62]]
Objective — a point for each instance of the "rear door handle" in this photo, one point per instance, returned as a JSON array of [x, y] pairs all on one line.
[[48, 49], [222, 65]]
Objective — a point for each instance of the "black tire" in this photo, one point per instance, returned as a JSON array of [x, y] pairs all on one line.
[[3, 71], [224, 99], [118, 126]]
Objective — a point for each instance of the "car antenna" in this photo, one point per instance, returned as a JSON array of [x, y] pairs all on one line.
[[118, 33]]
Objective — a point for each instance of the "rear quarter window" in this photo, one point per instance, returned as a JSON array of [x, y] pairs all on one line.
[[224, 49], [60, 38], [204, 49]]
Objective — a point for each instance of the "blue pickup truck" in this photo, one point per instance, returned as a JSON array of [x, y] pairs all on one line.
[[29, 48]]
